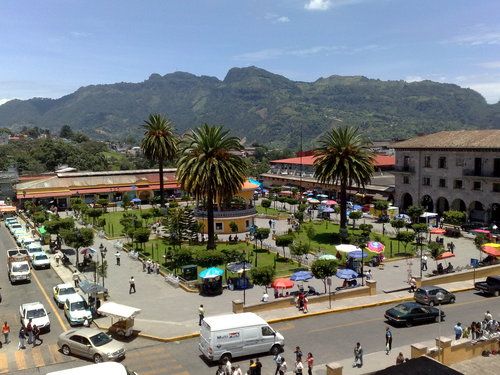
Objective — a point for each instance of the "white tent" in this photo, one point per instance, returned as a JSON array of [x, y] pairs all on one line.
[[345, 248], [117, 310]]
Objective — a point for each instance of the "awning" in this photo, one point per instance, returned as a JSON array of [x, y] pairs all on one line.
[[7, 209], [89, 287], [121, 311], [52, 194]]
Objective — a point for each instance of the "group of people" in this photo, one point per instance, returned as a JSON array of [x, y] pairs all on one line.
[[254, 368], [30, 332], [299, 367], [481, 330], [301, 302], [151, 267]]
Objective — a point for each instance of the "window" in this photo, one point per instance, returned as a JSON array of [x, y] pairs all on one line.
[[476, 185], [406, 180], [442, 162], [247, 223], [496, 187], [218, 226], [459, 162], [267, 331], [426, 181], [442, 183], [458, 184], [427, 161], [406, 163]]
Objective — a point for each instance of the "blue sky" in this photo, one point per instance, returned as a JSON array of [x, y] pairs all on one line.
[[50, 48]]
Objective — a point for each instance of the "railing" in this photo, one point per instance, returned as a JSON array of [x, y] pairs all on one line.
[[473, 173], [229, 213], [404, 169]]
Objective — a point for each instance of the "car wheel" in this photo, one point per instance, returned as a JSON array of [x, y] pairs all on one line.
[[496, 293], [409, 323], [225, 357], [97, 358], [431, 303], [65, 350], [275, 350], [452, 300]]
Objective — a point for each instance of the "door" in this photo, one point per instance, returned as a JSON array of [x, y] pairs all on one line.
[[418, 314], [477, 166], [87, 348], [76, 345], [252, 340], [268, 338]]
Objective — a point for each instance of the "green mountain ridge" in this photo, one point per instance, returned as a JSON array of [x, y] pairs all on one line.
[[260, 106]]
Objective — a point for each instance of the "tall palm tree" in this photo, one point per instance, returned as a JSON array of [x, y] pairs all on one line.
[[344, 158], [209, 169], [159, 145]]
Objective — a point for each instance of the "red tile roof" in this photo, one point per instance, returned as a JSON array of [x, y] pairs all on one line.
[[380, 160]]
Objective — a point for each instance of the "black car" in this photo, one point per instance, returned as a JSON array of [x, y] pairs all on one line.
[[410, 313], [383, 219]]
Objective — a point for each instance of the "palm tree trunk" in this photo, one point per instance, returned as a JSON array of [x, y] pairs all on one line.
[[210, 221], [343, 209], [162, 190]]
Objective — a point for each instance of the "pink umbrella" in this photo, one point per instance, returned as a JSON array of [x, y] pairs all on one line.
[[375, 247], [494, 251], [329, 202], [445, 255], [437, 231]]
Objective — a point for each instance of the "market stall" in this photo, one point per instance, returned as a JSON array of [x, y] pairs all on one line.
[[122, 317]]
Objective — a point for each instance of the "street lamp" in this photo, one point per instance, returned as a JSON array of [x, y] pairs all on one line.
[[103, 250], [439, 297], [244, 277], [420, 239]]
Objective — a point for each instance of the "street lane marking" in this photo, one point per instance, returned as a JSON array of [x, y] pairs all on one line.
[[20, 360], [345, 325], [38, 361], [4, 363], [49, 301]]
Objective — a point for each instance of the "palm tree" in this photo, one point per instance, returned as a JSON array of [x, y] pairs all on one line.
[[344, 158], [159, 145], [209, 169]]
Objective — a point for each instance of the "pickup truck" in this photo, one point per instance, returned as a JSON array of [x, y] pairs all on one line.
[[18, 267], [490, 286]]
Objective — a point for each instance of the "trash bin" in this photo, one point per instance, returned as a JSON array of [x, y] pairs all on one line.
[[189, 272]]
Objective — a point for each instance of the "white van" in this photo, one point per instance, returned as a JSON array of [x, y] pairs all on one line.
[[105, 368], [234, 335]]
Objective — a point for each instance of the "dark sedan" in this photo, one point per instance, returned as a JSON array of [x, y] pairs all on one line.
[[410, 313]]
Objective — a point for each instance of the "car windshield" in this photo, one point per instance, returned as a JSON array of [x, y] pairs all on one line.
[[41, 257], [80, 305], [37, 313], [20, 267], [33, 251], [100, 339], [67, 291], [401, 308]]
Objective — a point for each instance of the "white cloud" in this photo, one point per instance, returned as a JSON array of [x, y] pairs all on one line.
[[264, 54], [414, 78], [490, 64], [477, 35], [490, 90], [4, 100], [283, 19], [79, 34], [275, 18], [318, 5]]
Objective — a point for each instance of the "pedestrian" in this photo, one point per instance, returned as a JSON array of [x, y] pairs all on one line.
[[298, 354], [424, 262], [144, 266], [22, 337], [228, 368], [258, 367], [57, 257], [488, 316], [86, 322], [358, 356], [220, 371], [237, 370], [270, 223], [388, 341], [76, 278], [36, 335], [201, 314], [413, 284], [305, 308], [400, 359], [283, 366], [452, 247], [458, 331], [6, 331], [278, 359], [157, 268], [117, 256], [251, 368], [299, 368], [131, 282], [265, 297], [29, 330], [310, 363]]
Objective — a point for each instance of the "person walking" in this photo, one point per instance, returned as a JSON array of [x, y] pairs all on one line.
[[424, 262], [36, 335], [278, 359], [57, 257], [29, 330], [283, 367], [258, 367], [201, 314], [251, 368], [358, 356], [220, 371], [388, 341], [118, 254], [131, 282], [228, 368], [458, 331], [298, 354], [299, 368], [22, 337], [6, 332], [76, 278], [310, 363]]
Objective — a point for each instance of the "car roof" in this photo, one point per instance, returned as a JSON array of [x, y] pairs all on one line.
[[32, 305], [40, 254], [411, 304], [431, 287], [75, 298], [86, 332], [64, 286], [233, 321]]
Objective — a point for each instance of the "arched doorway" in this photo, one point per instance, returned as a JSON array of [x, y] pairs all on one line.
[[406, 201], [458, 205], [427, 203], [442, 205], [477, 212], [495, 213]]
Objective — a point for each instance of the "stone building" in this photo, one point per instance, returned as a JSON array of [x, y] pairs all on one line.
[[451, 170]]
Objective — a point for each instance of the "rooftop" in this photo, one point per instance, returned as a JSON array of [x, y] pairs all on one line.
[[232, 321], [459, 139], [380, 160]]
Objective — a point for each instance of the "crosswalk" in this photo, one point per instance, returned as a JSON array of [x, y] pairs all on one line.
[[12, 359]]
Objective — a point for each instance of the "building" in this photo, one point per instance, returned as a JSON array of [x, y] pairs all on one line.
[[299, 172], [451, 170], [8, 179]]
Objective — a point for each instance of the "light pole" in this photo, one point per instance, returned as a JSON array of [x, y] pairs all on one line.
[[439, 297], [103, 256], [244, 277]]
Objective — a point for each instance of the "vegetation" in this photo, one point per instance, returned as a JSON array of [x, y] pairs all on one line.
[[456, 218], [263, 275], [323, 269]]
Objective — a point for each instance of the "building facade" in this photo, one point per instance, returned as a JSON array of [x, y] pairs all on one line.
[[451, 170]]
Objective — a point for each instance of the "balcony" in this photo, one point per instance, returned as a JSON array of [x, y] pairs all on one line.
[[473, 173], [226, 213], [403, 169]]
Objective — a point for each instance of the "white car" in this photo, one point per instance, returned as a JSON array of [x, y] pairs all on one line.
[[34, 249], [40, 260], [10, 221], [62, 292], [77, 310], [27, 241], [14, 227], [37, 313], [19, 239]]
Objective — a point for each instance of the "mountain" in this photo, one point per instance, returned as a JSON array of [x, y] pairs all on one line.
[[260, 106]]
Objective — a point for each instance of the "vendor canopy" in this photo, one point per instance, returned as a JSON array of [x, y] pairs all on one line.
[[122, 311]]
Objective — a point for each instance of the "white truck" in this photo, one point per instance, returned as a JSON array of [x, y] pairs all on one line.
[[235, 335], [18, 266]]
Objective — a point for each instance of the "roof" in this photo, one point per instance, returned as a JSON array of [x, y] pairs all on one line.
[[32, 305], [459, 139], [74, 298], [84, 331], [418, 366], [380, 160], [112, 308], [232, 321]]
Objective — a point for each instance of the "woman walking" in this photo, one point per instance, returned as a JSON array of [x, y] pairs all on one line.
[[310, 363], [22, 337]]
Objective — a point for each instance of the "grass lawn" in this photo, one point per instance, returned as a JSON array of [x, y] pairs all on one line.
[[155, 249], [271, 211], [113, 228]]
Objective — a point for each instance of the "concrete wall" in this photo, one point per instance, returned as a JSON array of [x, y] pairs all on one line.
[[480, 273]]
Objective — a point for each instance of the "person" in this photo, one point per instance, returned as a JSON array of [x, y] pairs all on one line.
[[310, 363], [251, 368], [237, 370], [6, 332], [230, 238], [57, 257], [368, 275], [131, 282], [220, 371], [400, 359], [283, 367], [22, 337], [278, 359], [449, 268], [228, 368], [265, 297], [201, 314], [76, 278], [452, 247], [36, 335], [388, 340], [358, 356], [488, 316], [298, 354], [270, 223], [117, 256], [424, 262], [458, 331], [413, 284], [305, 308], [29, 330], [258, 367], [86, 322], [440, 268], [299, 368]]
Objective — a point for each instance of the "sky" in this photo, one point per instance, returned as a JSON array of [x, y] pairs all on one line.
[[50, 48]]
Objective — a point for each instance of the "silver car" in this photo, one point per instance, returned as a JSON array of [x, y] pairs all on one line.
[[90, 343], [426, 295]]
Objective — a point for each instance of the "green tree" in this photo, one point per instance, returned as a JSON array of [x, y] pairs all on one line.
[[181, 257], [414, 212], [104, 203], [398, 224], [56, 225], [146, 216], [455, 218], [94, 213], [159, 145], [262, 234], [419, 228], [205, 258], [263, 275], [311, 233], [344, 158], [176, 225], [77, 238], [355, 215], [126, 201], [233, 226], [266, 203], [479, 241], [436, 249], [324, 268], [406, 237], [66, 132], [211, 168], [284, 241], [381, 206], [141, 235], [299, 249]]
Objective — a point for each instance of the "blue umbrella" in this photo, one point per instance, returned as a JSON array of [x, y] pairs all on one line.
[[328, 210], [358, 254], [136, 200], [357, 207], [327, 257], [301, 276], [239, 267], [211, 272], [346, 273]]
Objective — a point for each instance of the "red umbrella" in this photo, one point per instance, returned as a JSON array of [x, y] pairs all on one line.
[[445, 255], [495, 251], [282, 284], [437, 231]]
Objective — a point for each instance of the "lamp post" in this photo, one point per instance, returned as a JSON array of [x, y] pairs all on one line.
[[439, 297], [104, 250], [420, 243], [244, 277]]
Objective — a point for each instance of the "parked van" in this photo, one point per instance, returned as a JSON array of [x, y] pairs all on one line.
[[234, 335], [105, 368]]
